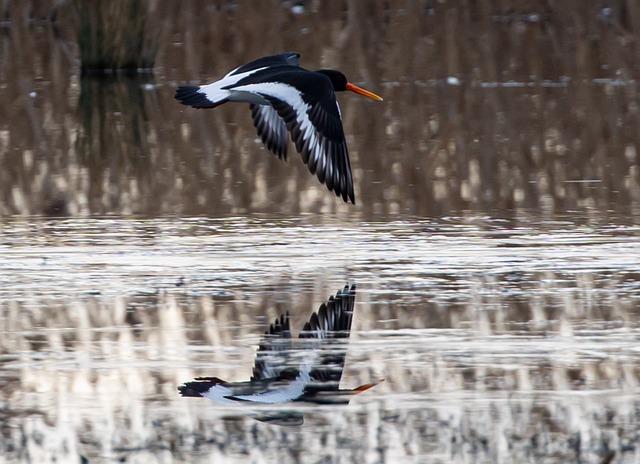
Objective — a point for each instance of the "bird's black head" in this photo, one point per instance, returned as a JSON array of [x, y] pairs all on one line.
[[338, 79], [340, 84]]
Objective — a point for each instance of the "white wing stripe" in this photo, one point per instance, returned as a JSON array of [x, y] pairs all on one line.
[[292, 391], [284, 92], [291, 96], [217, 394], [215, 92]]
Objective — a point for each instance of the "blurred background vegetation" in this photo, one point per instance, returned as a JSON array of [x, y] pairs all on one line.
[[507, 107]]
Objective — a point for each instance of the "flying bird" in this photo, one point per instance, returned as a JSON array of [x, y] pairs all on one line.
[[286, 370], [285, 98]]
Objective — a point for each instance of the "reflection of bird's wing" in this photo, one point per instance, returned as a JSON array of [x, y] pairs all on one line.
[[274, 350], [201, 385], [282, 418], [329, 328]]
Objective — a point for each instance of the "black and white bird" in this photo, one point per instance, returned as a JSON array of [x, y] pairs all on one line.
[[286, 370], [285, 98]]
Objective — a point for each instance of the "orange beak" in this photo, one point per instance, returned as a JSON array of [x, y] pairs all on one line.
[[363, 92], [366, 386]]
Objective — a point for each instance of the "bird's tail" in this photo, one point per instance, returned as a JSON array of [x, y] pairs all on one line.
[[194, 97]]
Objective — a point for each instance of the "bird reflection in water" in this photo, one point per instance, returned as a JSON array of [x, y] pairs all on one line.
[[286, 370]]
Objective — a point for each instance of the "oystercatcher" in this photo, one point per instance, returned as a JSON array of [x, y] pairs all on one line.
[[285, 97], [308, 369]]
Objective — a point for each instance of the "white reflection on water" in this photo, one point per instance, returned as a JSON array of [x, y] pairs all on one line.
[[112, 257], [497, 343]]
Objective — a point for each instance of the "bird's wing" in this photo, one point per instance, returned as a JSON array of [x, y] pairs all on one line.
[[271, 129], [216, 93], [307, 103], [329, 328], [289, 58], [315, 125], [274, 350], [270, 126], [282, 418], [199, 385], [277, 392]]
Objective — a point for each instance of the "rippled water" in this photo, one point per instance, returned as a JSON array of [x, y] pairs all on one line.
[[198, 255], [498, 342]]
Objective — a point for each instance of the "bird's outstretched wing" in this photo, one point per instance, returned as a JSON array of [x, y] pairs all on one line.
[[330, 326], [199, 385], [287, 59], [318, 136], [274, 350], [270, 127], [211, 96]]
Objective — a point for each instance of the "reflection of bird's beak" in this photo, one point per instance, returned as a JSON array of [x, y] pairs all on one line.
[[363, 92], [365, 387]]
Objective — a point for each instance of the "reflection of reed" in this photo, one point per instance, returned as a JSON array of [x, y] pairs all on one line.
[[485, 110], [112, 145], [115, 36]]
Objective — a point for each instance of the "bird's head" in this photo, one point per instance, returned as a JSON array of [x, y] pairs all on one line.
[[341, 84]]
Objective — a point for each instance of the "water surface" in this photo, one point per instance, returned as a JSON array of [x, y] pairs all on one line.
[[495, 342]]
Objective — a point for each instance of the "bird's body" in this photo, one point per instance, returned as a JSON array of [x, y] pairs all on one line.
[[286, 370], [285, 98]]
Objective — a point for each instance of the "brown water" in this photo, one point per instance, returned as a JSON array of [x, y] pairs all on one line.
[[495, 241]]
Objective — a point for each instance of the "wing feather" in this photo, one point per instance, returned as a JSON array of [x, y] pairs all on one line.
[[275, 346], [306, 102], [272, 130], [330, 325]]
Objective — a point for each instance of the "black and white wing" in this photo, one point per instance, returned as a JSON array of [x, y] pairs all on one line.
[[217, 93], [274, 351], [330, 326], [271, 129], [315, 124], [285, 59], [306, 102]]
